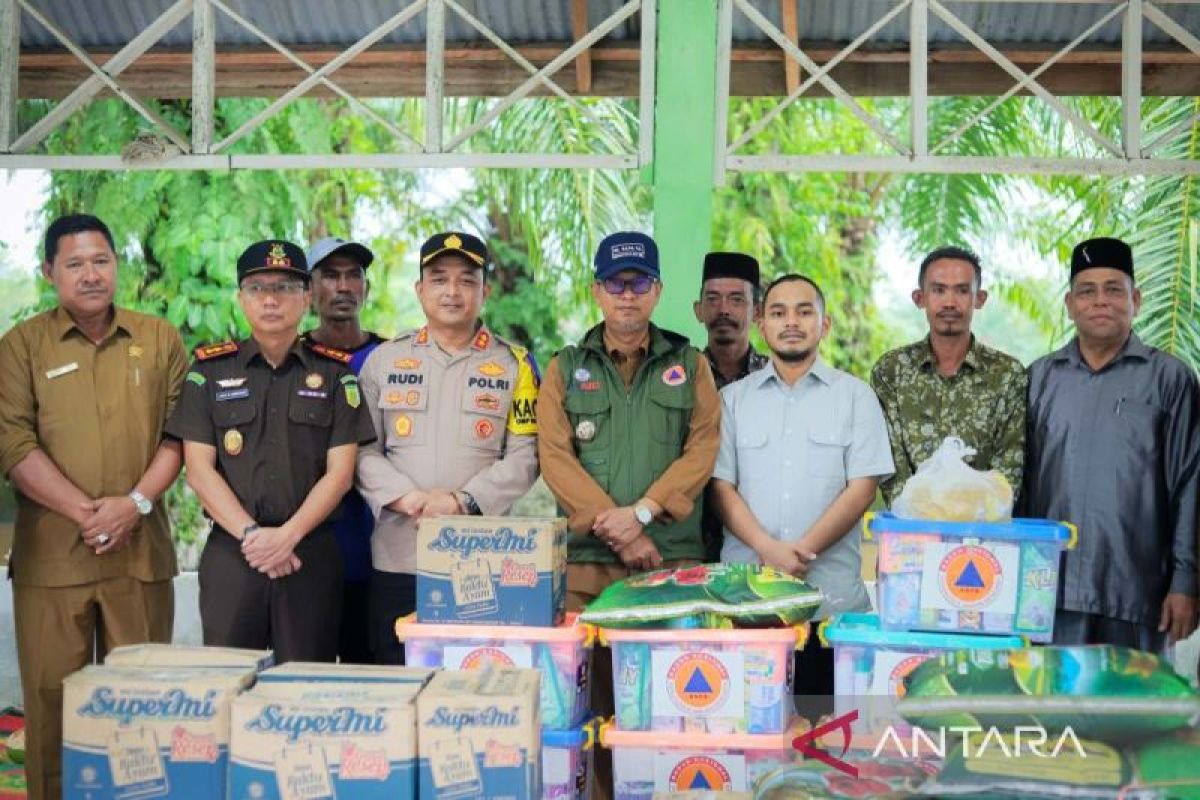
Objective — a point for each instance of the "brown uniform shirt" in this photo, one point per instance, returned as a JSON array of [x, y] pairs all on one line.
[[98, 412], [272, 427], [578, 492]]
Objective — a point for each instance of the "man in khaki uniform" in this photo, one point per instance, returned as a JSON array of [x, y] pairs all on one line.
[[454, 409], [87, 388]]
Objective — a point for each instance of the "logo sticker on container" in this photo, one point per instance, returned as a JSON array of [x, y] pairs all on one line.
[[971, 577], [697, 683], [474, 657], [890, 670], [718, 773]]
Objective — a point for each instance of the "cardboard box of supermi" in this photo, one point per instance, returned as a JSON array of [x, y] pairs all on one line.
[[491, 570], [152, 654], [479, 735], [144, 732], [304, 741]]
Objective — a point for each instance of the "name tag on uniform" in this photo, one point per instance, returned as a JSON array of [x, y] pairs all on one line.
[[233, 394], [63, 370], [313, 393]]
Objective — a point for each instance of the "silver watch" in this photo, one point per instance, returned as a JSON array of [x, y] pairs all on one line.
[[643, 515], [144, 506]]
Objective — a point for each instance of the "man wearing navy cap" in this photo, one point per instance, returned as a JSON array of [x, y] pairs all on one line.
[[271, 428], [1112, 447], [627, 385], [339, 289]]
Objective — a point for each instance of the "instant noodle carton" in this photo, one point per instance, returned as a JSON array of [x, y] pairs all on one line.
[[297, 741], [491, 570], [480, 735], [320, 672], [143, 732], [173, 655]]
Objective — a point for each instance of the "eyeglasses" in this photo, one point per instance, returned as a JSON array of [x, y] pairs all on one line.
[[260, 290], [617, 286]]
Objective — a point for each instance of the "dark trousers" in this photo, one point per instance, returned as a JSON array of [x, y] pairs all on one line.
[[355, 631], [1078, 627], [814, 679], [296, 616], [391, 595]]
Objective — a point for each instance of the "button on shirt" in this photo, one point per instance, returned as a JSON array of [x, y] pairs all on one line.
[[1116, 452], [790, 451], [97, 410]]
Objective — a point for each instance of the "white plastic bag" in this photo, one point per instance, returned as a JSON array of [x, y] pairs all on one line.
[[947, 488]]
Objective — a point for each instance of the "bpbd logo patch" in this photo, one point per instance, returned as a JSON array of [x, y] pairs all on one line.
[[970, 576], [702, 773], [698, 682]]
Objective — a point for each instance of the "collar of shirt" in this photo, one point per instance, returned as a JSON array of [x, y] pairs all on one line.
[[1134, 347], [249, 350], [64, 324], [928, 364], [820, 371], [620, 356]]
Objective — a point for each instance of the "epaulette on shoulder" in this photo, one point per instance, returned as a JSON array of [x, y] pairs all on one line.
[[332, 353], [207, 352], [400, 337]]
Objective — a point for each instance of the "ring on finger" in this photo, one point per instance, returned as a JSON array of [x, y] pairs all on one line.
[[104, 538]]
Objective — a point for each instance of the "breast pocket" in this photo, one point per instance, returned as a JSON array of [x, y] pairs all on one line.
[[405, 418], [591, 419], [671, 411], [1137, 425], [483, 418], [752, 465], [826, 452]]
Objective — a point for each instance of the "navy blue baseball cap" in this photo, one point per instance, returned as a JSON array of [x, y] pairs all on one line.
[[626, 250]]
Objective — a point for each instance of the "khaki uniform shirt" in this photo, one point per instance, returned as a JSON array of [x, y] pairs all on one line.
[[98, 411], [272, 426], [462, 422]]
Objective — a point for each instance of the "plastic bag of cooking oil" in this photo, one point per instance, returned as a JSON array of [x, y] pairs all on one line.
[[947, 488]]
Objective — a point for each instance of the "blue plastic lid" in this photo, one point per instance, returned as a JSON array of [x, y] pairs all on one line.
[[864, 629], [1040, 530], [572, 737]]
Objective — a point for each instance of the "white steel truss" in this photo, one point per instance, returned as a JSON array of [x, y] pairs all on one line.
[[438, 147], [916, 154]]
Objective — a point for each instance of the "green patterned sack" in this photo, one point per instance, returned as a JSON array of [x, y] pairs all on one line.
[[748, 595], [1107, 694]]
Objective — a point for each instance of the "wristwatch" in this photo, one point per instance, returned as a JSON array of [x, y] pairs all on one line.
[[468, 502], [643, 515], [144, 506], [249, 531]]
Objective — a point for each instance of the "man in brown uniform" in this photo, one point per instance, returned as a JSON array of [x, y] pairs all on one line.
[[453, 405], [87, 388], [271, 427]]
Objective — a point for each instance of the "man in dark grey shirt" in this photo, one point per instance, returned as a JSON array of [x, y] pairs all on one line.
[[1112, 447]]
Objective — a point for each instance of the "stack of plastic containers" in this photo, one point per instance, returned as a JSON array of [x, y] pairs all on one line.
[[491, 592], [699, 709], [942, 586]]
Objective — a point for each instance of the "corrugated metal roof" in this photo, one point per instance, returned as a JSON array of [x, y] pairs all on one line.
[[104, 24]]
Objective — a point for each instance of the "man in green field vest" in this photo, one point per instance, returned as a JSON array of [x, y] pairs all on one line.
[[632, 427]]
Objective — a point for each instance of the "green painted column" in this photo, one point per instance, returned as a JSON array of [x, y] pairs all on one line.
[[682, 172]]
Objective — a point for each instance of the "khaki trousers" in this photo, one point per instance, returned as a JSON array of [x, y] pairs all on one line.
[[59, 629]]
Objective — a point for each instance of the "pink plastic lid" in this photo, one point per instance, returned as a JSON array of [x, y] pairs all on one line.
[[786, 636], [408, 629], [611, 737]]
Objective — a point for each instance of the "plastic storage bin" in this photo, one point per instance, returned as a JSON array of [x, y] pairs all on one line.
[[870, 665], [704, 681], [567, 762], [646, 762], [563, 655], [969, 577]]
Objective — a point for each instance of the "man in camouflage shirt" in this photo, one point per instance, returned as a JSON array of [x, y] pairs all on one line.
[[948, 384]]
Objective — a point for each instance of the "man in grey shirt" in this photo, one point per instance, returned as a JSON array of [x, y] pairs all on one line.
[[1112, 447], [803, 448]]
